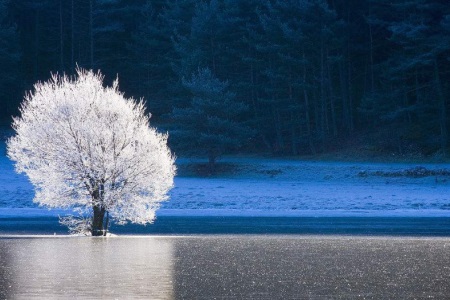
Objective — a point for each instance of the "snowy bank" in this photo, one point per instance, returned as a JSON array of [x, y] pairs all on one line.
[[278, 187]]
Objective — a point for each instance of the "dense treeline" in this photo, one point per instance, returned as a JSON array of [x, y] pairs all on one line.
[[286, 76]]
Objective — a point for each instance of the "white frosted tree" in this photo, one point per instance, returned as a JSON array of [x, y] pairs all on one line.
[[86, 147]]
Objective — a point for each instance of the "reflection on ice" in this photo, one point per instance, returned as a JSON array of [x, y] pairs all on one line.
[[225, 267], [88, 267]]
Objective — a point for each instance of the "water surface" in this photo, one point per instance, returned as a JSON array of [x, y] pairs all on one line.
[[182, 225], [224, 267]]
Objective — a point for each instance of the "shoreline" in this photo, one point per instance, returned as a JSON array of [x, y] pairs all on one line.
[[234, 225]]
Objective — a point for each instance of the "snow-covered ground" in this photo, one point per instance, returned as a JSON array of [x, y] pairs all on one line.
[[278, 187]]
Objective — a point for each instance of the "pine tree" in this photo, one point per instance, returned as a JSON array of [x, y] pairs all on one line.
[[149, 64], [297, 44], [10, 54], [210, 125], [175, 19], [415, 90]]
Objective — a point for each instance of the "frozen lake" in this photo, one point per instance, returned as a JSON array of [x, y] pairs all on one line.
[[224, 267]]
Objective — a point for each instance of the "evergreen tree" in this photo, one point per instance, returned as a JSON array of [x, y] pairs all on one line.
[[10, 82], [31, 19], [176, 18], [148, 65], [297, 43], [415, 93], [210, 125], [312, 72], [108, 34], [199, 47]]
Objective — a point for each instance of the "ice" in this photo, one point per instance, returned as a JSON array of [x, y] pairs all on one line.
[[224, 267]]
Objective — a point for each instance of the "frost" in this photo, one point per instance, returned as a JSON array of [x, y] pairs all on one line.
[[78, 225], [84, 146]]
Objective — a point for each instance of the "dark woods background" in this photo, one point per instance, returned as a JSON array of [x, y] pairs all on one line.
[[287, 77]]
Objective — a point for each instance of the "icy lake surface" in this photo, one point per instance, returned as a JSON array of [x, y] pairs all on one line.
[[225, 267]]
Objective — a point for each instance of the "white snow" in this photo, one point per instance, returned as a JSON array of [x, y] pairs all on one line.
[[276, 187]]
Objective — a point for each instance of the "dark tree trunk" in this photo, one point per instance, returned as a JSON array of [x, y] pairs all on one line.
[[344, 97], [36, 64], [279, 143], [332, 97], [72, 37], [211, 162], [61, 37], [442, 110], [323, 105], [91, 33], [97, 220], [307, 113], [99, 210]]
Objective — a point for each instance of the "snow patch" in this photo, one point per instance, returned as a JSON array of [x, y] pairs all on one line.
[[299, 188]]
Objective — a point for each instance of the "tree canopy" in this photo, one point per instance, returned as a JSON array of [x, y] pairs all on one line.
[[86, 147]]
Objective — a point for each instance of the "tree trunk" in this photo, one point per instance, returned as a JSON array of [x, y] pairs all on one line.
[[97, 220], [323, 104], [348, 85], [36, 64], [350, 96], [372, 74], [442, 109], [254, 99], [211, 162], [279, 142], [307, 113], [332, 98], [294, 149], [72, 37], [91, 33], [98, 209], [344, 96], [294, 138], [61, 37]]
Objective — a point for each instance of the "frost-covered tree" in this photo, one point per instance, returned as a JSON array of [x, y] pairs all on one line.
[[86, 147]]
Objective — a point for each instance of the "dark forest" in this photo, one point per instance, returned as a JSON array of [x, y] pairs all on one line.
[[285, 77]]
